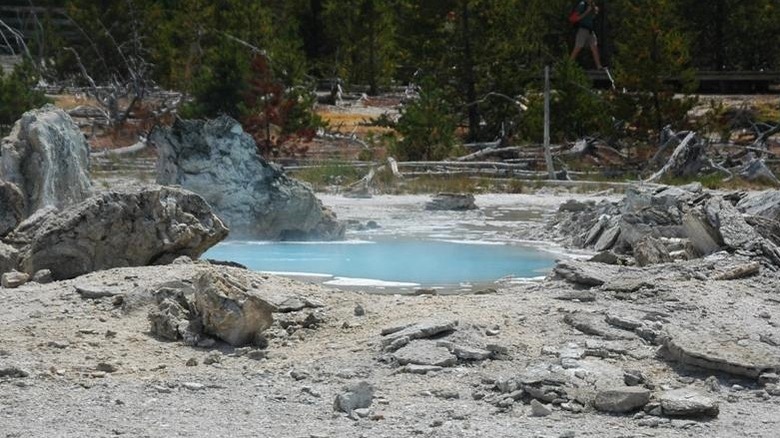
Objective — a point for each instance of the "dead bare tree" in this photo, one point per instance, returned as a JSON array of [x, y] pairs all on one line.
[[129, 82]]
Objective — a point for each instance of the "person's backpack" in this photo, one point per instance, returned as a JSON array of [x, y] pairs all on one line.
[[574, 15]]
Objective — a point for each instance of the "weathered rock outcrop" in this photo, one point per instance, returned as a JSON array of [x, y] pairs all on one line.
[[231, 311], [152, 225], [217, 305], [47, 157], [659, 224], [217, 160]]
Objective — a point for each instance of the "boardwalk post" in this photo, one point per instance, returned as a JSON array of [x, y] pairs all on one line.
[[547, 153]]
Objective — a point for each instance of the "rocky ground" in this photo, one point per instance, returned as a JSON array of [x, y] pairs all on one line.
[[595, 350]]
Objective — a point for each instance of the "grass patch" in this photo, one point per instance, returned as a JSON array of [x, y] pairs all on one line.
[[329, 174]]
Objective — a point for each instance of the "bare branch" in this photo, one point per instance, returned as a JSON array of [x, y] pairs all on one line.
[[17, 36]]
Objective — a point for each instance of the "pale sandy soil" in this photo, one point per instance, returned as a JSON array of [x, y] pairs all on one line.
[[60, 339]]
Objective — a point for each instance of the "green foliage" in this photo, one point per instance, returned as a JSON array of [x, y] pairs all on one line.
[[327, 173], [733, 34], [17, 95], [365, 31], [273, 114], [427, 127], [653, 49], [219, 84], [576, 110]]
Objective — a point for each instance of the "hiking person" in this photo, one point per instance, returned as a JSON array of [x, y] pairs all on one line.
[[587, 11]]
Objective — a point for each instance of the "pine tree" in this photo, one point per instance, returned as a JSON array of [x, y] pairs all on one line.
[[652, 52]]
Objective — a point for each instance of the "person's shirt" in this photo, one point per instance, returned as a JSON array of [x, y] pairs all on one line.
[[587, 21]]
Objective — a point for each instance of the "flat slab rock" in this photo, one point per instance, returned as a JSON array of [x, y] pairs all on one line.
[[420, 330], [712, 351], [621, 399], [584, 273], [596, 325], [425, 353], [688, 403]]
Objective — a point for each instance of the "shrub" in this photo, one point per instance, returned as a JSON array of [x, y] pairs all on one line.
[[427, 127], [18, 94]]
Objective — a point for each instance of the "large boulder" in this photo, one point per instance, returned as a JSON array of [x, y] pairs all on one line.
[[47, 157], [230, 310], [136, 227], [219, 161]]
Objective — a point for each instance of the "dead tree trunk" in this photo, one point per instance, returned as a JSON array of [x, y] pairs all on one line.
[[686, 160]]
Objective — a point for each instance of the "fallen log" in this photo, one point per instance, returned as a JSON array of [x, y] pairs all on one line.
[[137, 147], [739, 271]]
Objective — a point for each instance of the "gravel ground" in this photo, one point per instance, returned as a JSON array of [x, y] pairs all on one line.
[[95, 370]]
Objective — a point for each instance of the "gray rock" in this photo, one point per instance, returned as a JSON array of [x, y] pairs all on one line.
[[688, 403], [174, 318], [623, 322], [14, 279], [581, 273], [577, 295], [11, 207], [420, 330], [357, 396], [451, 201], [768, 378], [14, 372], [651, 251], [626, 284], [94, 292], [575, 206], [539, 409], [734, 231], [229, 310], [151, 225], [425, 353], [47, 158], [607, 239], [596, 326], [622, 399], [359, 310], [764, 204], [419, 369], [606, 257], [9, 258], [469, 353], [42, 276], [702, 236], [595, 231], [285, 302], [713, 351], [634, 377], [219, 161], [193, 386]]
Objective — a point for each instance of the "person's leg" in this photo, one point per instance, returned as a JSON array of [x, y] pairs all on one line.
[[579, 42], [594, 48], [575, 52]]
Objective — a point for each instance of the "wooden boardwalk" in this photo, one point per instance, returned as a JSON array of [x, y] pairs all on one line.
[[715, 82]]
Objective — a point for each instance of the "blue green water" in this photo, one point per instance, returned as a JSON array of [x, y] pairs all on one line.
[[425, 262]]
